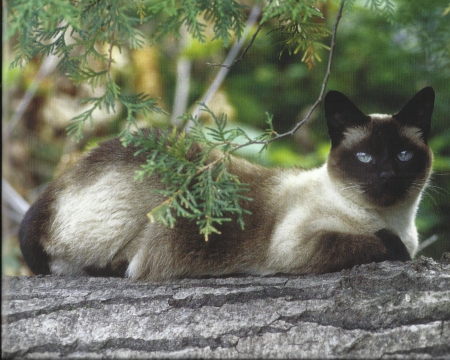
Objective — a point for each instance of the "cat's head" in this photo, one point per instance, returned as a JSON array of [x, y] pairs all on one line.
[[383, 158]]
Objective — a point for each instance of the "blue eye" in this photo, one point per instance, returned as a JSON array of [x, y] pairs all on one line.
[[364, 157], [405, 155]]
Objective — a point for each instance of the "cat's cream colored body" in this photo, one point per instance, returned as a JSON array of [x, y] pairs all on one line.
[[105, 222], [305, 214], [355, 209]]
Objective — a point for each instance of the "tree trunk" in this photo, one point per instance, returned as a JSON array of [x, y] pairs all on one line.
[[387, 310]]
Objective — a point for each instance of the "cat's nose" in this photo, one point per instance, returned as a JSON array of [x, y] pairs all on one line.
[[386, 175]]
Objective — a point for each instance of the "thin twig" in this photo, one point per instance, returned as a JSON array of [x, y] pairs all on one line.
[[243, 53], [321, 94], [327, 74], [110, 58], [431, 240]]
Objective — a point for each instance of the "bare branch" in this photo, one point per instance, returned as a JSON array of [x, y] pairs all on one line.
[[313, 107], [48, 65], [327, 74], [431, 240], [243, 53], [13, 198], [183, 82], [321, 94], [220, 77]]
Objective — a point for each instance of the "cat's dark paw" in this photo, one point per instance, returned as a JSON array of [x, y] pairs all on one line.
[[395, 249]]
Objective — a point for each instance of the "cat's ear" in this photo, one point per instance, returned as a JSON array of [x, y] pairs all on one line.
[[417, 112], [340, 114]]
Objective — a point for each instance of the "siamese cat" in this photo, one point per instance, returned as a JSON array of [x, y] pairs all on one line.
[[359, 207]]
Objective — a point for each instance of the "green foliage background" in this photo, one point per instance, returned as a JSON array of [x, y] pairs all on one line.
[[382, 58]]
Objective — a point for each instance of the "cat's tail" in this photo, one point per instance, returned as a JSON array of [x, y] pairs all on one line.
[[31, 233]]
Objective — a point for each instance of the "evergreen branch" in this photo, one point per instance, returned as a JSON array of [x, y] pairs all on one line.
[[196, 187], [77, 123], [385, 7], [275, 136], [107, 99], [243, 52], [302, 26], [304, 37], [110, 58], [86, 23], [89, 76], [226, 15], [160, 212], [219, 198], [270, 135], [325, 80]]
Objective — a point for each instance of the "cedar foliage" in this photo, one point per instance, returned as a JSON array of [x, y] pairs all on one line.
[[205, 193]]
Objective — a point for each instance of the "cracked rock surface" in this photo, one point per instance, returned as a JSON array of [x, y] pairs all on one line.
[[384, 310]]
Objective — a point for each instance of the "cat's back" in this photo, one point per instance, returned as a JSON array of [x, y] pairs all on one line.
[[95, 215], [85, 211]]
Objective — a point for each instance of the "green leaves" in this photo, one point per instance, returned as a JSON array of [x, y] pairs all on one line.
[[196, 182], [134, 104], [83, 34], [73, 31], [221, 193], [227, 17], [385, 7], [301, 23]]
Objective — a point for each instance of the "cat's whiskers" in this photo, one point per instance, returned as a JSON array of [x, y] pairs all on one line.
[[431, 191], [350, 190]]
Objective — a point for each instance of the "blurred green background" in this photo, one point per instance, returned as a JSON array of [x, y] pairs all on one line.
[[379, 64]]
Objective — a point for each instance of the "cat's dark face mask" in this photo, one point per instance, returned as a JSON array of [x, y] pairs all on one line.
[[384, 159]]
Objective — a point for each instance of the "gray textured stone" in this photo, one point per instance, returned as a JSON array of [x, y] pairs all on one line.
[[385, 310]]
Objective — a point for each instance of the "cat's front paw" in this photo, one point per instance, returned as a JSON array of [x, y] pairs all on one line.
[[395, 249]]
